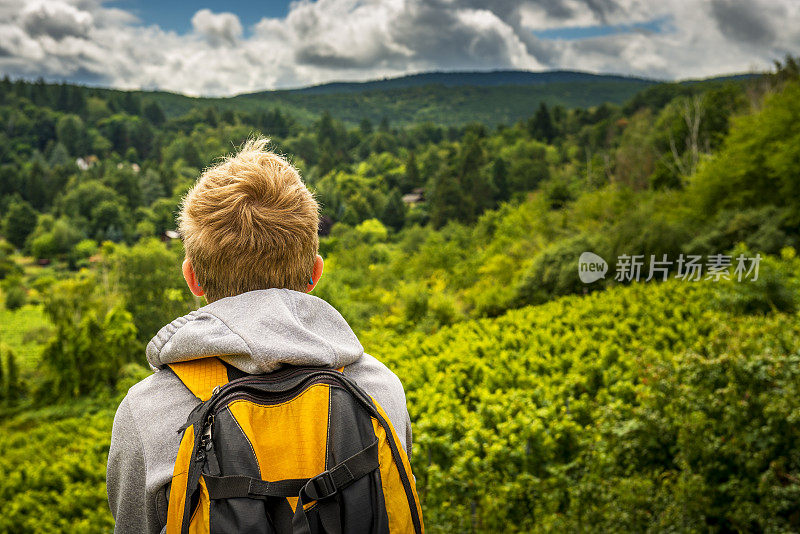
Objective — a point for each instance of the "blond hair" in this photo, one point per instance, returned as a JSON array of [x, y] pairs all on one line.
[[250, 223]]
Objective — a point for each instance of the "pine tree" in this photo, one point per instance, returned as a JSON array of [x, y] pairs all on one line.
[[77, 102], [2, 378], [280, 123], [71, 132], [210, 117], [62, 97], [153, 112], [541, 125], [12, 388], [34, 184], [131, 103], [228, 117], [500, 178], [365, 126], [327, 158], [326, 130], [478, 189], [447, 199], [411, 178], [394, 212]]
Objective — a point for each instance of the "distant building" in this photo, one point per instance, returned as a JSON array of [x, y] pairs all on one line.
[[416, 196], [86, 163], [134, 167], [168, 236]]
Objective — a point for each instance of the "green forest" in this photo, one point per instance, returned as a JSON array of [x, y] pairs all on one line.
[[539, 403]]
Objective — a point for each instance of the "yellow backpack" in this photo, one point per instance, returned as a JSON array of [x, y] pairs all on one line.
[[300, 450]]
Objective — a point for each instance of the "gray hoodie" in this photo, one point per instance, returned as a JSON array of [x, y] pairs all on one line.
[[256, 332]]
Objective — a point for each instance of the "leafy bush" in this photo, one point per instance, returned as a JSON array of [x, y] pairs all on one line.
[[765, 229], [18, 222], [52, 238], [776, 289], [711, 444], [554, 272], [15, 293], [637, 409], [94, 338], [11, 385], [8, 266], [53, 466], [81, 252], [150, 284], [758, 163]]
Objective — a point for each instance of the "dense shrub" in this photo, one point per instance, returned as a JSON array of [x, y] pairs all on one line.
[[15, 293], [758, 163], [8, 266], [54, 466], [776, 289], [637, 409], [94, 338], [554, 272], [765, 229], [150, 284]]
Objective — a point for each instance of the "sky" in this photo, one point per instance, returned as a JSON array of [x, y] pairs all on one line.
[[223, 48]]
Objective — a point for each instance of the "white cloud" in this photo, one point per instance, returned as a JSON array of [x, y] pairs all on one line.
[[324, 40], [55, 19], [217, 28]]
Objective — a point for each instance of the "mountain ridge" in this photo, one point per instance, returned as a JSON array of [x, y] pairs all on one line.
[[490, 78], [448, 98]]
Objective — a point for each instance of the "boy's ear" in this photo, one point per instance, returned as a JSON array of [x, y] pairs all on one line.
[[191, 279], [316, 274]]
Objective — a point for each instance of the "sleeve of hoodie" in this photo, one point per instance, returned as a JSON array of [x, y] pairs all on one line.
[[126, 477]]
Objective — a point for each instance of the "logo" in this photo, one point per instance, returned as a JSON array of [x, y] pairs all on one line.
[[591, 267]]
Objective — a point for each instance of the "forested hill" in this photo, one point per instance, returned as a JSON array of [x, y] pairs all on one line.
[[474, 79], [443, 98], [457, 98]]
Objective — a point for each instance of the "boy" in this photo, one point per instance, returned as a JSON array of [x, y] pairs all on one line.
[[250, 232]]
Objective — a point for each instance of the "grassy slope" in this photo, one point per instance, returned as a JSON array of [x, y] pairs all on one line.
[[24, 331]]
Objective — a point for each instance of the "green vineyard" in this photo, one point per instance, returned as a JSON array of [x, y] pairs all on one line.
[[642, 408]]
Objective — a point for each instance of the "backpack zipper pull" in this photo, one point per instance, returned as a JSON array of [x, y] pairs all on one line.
[[205, 439]]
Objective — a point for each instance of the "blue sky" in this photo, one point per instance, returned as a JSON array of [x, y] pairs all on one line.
[[571, 33], [226, 48], [177, 15]]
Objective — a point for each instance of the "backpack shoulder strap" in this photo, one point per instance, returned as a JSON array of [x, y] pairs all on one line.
[[201, 376]]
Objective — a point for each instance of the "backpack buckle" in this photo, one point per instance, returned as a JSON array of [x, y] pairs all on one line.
[[320, 487]]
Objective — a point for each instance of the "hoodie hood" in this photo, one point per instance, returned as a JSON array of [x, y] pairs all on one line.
[[258, 332]]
